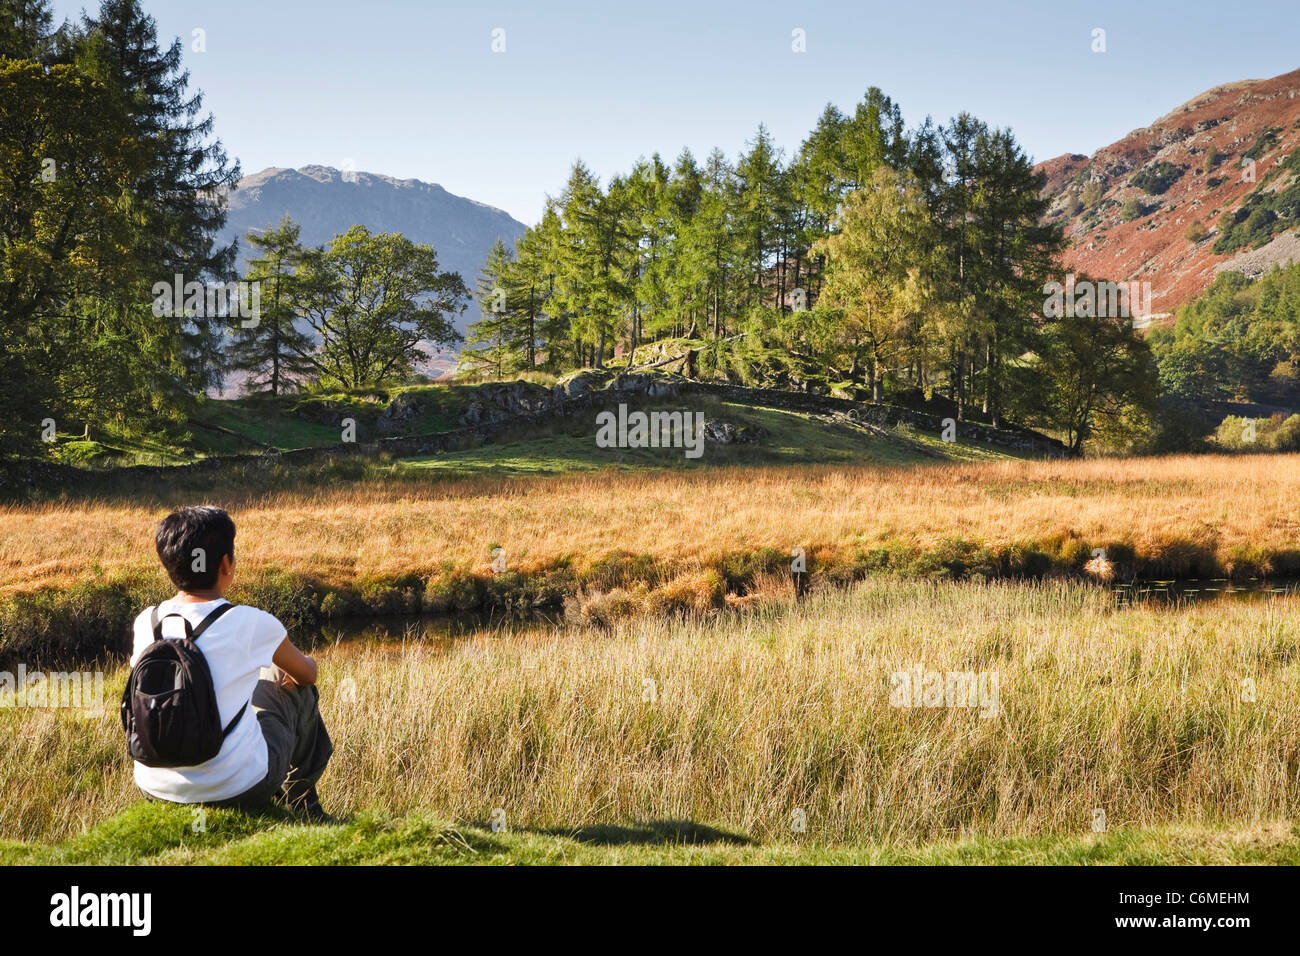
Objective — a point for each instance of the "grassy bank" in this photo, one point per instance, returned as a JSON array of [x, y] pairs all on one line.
[[738, 722], [621, 543], [154, 835]]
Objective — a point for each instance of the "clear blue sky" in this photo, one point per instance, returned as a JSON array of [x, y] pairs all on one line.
[[413, 89]]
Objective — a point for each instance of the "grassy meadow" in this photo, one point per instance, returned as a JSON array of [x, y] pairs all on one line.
[[689, 708], [705, 736], [413, 537], [1176, 516]]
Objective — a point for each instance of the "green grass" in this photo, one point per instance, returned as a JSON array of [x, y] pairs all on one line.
[[162, 834], [793, 438], [110, 450], [256, 425], [285, 422]]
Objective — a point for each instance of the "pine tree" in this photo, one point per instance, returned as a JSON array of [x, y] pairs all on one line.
[[1012, 254], [26, 30], [685, 276], [499, 343], [650, 223], [177, 198], [541, 256], [271, 352], [67, 237], [713, 243], [758, 175], [592, 284]]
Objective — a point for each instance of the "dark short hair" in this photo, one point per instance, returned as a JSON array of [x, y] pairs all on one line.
[[203, 529]]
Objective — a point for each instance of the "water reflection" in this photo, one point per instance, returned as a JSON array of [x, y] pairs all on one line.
[[388, 634], [1200, 590]]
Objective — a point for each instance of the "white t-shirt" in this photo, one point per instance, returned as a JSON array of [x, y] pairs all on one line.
[[236, 646]]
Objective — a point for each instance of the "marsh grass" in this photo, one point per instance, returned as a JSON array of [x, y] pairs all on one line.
[[672, 541], [1139, 711]]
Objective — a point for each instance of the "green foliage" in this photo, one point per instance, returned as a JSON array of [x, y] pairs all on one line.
[[1263, 143], [1194, 369], [1262, 214], [373, 300], [756, 257], [1277, 433], [1132, 209], [1091, 374], [273, 351], [878, 274], [1158, 177], [108, 172], [1237, 340], [503, 341]]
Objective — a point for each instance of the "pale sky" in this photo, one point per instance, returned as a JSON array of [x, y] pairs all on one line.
[[414, 89]]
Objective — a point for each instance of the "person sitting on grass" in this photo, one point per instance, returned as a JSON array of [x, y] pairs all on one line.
[[273, 742]]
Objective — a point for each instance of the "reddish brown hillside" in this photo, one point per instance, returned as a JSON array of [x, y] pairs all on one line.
[[1164, 169]]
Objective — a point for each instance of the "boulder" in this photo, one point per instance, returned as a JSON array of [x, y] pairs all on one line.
[[720, 432], [398, 418]]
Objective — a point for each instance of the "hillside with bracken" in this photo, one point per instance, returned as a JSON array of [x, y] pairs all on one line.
[[1213, 185]]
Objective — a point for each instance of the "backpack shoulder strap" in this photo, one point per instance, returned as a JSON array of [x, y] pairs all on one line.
[[215, 613], [155, 623], [234, 720]]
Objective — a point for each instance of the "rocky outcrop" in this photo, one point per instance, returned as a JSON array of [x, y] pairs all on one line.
[[501, 401], [720, 432], [400, 414], [887, 416]]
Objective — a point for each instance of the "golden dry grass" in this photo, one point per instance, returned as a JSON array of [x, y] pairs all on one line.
[[1141, 711], [1240, 510]]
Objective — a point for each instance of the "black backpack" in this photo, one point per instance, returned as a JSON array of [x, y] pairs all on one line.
[[169, 707]]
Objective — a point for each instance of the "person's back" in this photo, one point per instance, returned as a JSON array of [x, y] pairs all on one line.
[[237, 646], [275, 745]]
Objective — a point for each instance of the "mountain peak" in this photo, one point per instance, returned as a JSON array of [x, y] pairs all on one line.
[[325, 203], [1169, 202]]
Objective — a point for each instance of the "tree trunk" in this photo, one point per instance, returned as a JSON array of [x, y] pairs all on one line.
[[961, 384]]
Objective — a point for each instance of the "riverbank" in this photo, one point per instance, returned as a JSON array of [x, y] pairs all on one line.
[[813, 713], [609, 544]]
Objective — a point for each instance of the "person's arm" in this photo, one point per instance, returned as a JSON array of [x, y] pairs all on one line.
[[297, 665]]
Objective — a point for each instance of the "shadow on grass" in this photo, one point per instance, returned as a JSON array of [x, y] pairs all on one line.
[[652, 832]]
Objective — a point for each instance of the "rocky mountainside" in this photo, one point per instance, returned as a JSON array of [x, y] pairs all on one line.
[[325, 202], [1213, 185]]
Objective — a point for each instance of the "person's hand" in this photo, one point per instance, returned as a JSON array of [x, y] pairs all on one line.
[[284, 680]]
